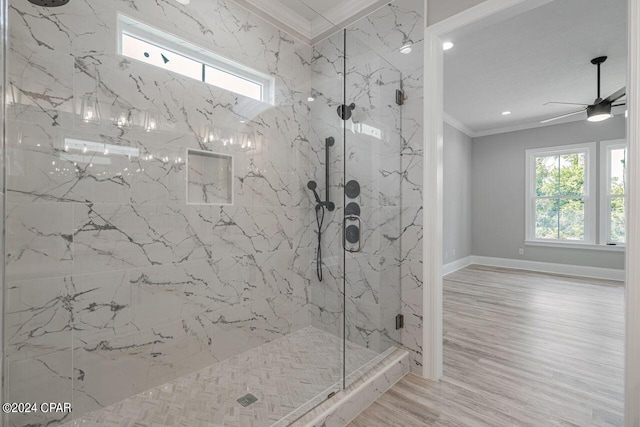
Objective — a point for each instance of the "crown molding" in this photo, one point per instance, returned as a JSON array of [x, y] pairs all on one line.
[[452, 121], [281, 16], [448, 118], [309, 30], [616, 111]]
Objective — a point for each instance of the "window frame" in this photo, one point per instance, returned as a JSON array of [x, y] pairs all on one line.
[[589, 149], [605, 188], [164, 40]]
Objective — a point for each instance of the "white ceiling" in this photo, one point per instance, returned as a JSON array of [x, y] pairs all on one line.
[[312, 19], [539, 56], [311, 8]]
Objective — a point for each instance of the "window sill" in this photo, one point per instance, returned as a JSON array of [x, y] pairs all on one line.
[[586, 246]]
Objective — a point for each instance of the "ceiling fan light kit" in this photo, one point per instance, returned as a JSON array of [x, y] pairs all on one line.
[[600, 110]]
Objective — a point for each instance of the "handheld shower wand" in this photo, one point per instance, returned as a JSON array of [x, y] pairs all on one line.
[[320, 206], [312, 185]]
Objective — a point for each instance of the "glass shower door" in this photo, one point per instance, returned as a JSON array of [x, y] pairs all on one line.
[[372, 203]]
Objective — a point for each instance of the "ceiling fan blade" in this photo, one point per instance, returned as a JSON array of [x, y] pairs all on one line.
[[563, 116], [564, 103], [618, 105], [616, 95]]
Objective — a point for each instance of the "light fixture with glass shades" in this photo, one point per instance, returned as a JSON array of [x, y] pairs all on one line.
[[211, 135], [89, 110], [151, 121], [447, 45], [236, 140], [123, 119]]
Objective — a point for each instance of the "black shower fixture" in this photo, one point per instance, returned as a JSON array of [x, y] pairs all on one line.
[[312, 185], [345, 111], [320, 205], [49, 3]]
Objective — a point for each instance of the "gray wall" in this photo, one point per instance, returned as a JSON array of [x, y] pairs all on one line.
[[498, 192], [457, 194], [437, 10]]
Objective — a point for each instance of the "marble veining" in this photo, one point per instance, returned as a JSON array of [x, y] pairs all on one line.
[[118, 281]]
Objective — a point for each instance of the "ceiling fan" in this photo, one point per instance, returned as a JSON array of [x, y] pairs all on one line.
[[601, 108]]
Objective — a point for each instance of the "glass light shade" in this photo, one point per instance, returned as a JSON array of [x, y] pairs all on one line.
[[151, 121], [246, 140], [123, 119], [212, 135], [229, 138], [89, 110]]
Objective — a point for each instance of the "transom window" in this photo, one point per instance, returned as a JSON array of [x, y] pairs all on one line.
[[560, 194], [147, 44]]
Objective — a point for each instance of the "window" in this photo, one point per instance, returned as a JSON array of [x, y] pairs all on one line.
[[560, 194], [613, 162], [144, 43]]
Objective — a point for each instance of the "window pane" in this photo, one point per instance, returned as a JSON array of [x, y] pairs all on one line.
[[547, 175], [547, 219], [160, 57], [572, 172], [233, 83], [571, 225], [618, 164], [617, 220]]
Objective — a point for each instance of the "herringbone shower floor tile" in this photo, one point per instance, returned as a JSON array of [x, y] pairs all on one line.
[[283, 374]]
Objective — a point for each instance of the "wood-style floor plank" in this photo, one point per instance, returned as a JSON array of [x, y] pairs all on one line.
[[520, 349]]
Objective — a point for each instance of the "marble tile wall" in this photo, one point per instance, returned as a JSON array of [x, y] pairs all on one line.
[[384, 153], [3, 92], [385, 31], [115, 283]]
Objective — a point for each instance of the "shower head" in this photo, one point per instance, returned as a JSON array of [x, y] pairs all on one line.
[[49, 3], [312, 185]]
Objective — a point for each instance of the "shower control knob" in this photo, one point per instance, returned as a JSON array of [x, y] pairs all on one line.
[[352, 234]]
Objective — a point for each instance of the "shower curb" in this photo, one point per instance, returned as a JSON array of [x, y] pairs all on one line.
[[342, 408]]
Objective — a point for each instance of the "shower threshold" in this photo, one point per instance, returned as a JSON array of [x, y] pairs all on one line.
[[288, 376]]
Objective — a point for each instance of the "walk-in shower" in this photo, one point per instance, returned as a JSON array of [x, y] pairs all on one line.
[[183, 241]]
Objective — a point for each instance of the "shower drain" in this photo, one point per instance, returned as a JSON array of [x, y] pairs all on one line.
[[247, 400]]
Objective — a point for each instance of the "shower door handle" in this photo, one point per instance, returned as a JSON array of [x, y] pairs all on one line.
[[344, 233]]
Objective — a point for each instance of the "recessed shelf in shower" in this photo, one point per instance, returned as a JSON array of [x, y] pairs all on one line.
[[209, 178]]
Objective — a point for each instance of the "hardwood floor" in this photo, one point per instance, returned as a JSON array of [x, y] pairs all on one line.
[[520, 349]]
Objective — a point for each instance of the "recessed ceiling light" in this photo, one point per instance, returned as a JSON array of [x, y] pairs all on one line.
[[311, 99], [447, 45], [406, 49], [184, 1], [506, 113]]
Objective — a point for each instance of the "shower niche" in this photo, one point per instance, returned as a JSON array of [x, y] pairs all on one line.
[[209, 178]]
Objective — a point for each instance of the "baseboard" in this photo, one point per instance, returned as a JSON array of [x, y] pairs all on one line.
[[548, 267], [456, 265]]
